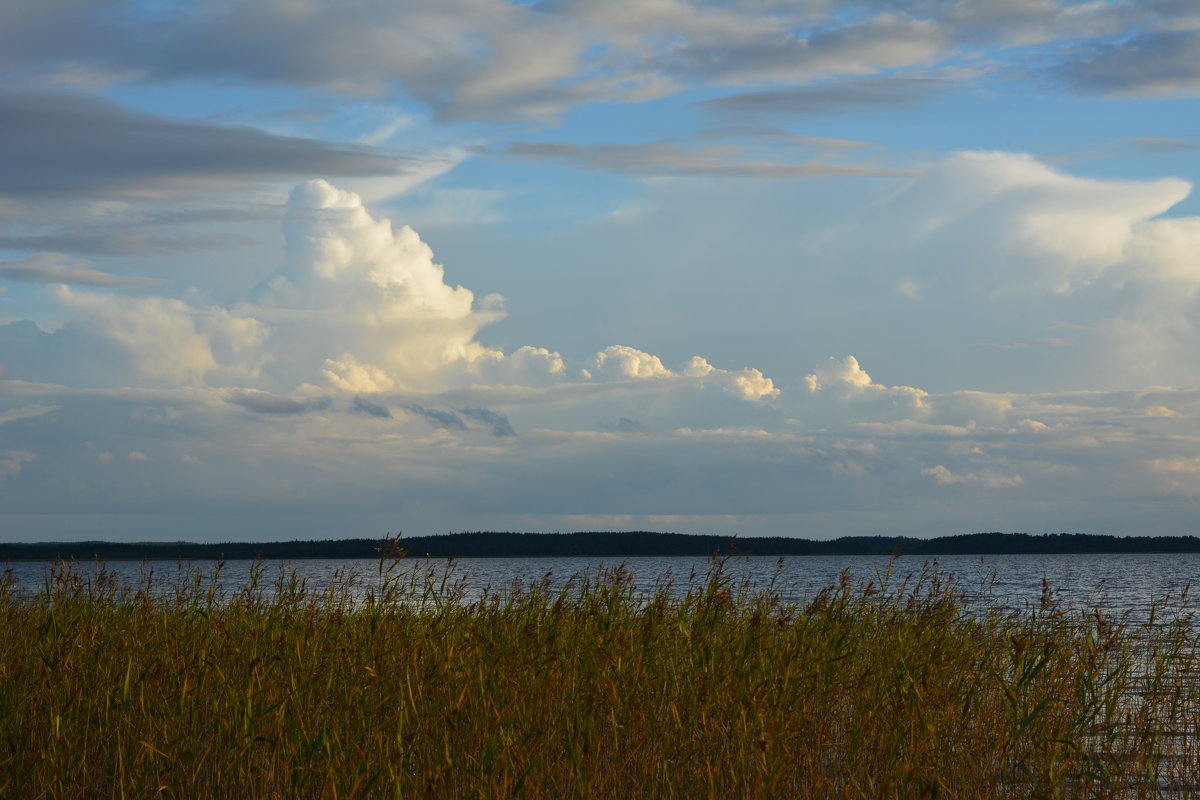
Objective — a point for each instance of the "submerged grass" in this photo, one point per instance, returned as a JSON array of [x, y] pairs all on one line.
[[897, 689]]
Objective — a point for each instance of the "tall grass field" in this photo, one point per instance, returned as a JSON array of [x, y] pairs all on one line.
[[896, 687]]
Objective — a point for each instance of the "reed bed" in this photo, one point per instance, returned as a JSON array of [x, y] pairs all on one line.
[[897, 687]]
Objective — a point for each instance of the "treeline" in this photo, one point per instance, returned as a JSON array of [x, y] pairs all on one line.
[[618, 544]]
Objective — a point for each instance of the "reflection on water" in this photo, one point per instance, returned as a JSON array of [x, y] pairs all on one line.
[[1119, 583]]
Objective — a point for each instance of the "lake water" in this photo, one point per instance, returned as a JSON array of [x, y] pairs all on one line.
[[1120, 583]]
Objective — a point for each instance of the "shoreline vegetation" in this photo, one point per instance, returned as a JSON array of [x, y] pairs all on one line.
[[902, 686], [615, 544]]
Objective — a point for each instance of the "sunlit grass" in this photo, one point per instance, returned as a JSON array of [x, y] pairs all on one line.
[[893, 688]]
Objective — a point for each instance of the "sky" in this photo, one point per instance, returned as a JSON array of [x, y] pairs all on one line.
[[295, 269]]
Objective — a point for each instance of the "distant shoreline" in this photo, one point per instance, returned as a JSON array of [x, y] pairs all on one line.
[[618, 544]]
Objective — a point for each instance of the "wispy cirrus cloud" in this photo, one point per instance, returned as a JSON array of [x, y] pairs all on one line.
[[672, 158], [124, 239], [846, 96], [55, 268], [1160, 144]]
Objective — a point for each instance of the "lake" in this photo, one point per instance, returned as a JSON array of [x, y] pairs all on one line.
[[1119, 583]]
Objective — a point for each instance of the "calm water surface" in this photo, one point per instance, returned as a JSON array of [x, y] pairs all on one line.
[[1117, 582]]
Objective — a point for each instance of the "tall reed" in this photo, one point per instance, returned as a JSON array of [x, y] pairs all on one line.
[[901, 687]]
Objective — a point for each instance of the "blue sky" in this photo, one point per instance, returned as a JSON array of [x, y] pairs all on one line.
[[815, 268]]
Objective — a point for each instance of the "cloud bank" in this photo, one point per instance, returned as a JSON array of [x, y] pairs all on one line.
[[71, 145], [359, 380]]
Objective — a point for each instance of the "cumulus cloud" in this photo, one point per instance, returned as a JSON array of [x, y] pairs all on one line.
[[776, 475], [361, 312], [364, 302], [842, 392], [620, 362], [350, 375], [360, 306], [526, 366], [944, 477], [166, 341], [846, 380], [846, 374], [623, 362], [750, 384]]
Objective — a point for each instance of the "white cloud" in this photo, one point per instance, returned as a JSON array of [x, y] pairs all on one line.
[[1164, 249], [11, 461], [366, 368], [751, 385], [24, 412], [845, 374], [350, 375], [360, 306], [1190, 465], [1045, 229], [169, 342], [364, 301], [673, 452], [526, 366], [364, 376], [696, 367], [621, 362], [944, 477], [846, 383]]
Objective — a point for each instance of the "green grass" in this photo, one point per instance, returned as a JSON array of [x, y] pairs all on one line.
[[896, 689]]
